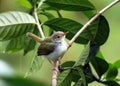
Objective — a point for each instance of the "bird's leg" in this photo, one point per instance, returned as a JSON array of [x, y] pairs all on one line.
[[57, 61]]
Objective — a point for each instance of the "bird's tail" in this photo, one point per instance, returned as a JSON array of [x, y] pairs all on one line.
[[34, 37]]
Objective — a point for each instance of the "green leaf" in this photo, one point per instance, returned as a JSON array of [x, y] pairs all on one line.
[[16, 44], [29, 45], [100, 55], [90, 77], [20, 43], [47, 14], [117, 64], [47, 7], [100, 65], [93, 51], [103, 31], [68, 64], [111, 83], [76, 75], [70, 5], [64, 24], [15, 24], [79, 82], [83, 57], [18, 81], [36, 63], [25, 3], [83, 79], [112, 72], [89, 14], [64, 78]]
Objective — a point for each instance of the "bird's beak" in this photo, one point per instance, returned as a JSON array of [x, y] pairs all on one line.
[[66, 33]]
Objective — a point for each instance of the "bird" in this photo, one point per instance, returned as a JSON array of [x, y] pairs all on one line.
[[51, 47]]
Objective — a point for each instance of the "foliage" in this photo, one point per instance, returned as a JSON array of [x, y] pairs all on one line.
[[19, 81], [14, 25]]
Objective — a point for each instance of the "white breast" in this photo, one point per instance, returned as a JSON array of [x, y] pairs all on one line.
[[59, 51]]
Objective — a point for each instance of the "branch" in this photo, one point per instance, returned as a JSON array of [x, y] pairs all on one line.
[[55, 72], [38, 23], [91, 20], [41, 2], [56, 64]]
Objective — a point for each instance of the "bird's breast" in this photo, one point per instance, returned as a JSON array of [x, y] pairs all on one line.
[[58, 51]]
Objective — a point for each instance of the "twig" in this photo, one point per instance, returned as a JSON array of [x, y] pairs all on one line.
[[91, 20], [55, 72], [38, 23]]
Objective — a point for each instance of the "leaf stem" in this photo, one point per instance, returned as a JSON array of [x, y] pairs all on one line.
[[60, 16], [38, 23], [91, 20]]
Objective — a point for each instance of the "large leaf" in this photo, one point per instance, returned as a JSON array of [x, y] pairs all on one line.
[[64, 24], [97, 32], [100, 65], [83, 57], [15, 24], [65, 78], [71, 5], [103, 31]]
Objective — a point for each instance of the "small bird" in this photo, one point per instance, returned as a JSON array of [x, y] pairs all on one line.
[[52, 47]]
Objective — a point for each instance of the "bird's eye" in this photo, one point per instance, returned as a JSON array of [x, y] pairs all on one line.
[[58, 36]]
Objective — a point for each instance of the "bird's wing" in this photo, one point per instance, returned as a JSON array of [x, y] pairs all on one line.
[[46, 48]]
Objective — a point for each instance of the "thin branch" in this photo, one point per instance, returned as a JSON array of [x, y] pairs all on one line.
[[55, 72], [56, 64], [91, 20], [38, 23], [41, 2]]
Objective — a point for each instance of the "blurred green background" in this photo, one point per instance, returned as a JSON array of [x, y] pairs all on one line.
[[110, 49]]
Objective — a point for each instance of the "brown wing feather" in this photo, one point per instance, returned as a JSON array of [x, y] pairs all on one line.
[[46, 48]]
